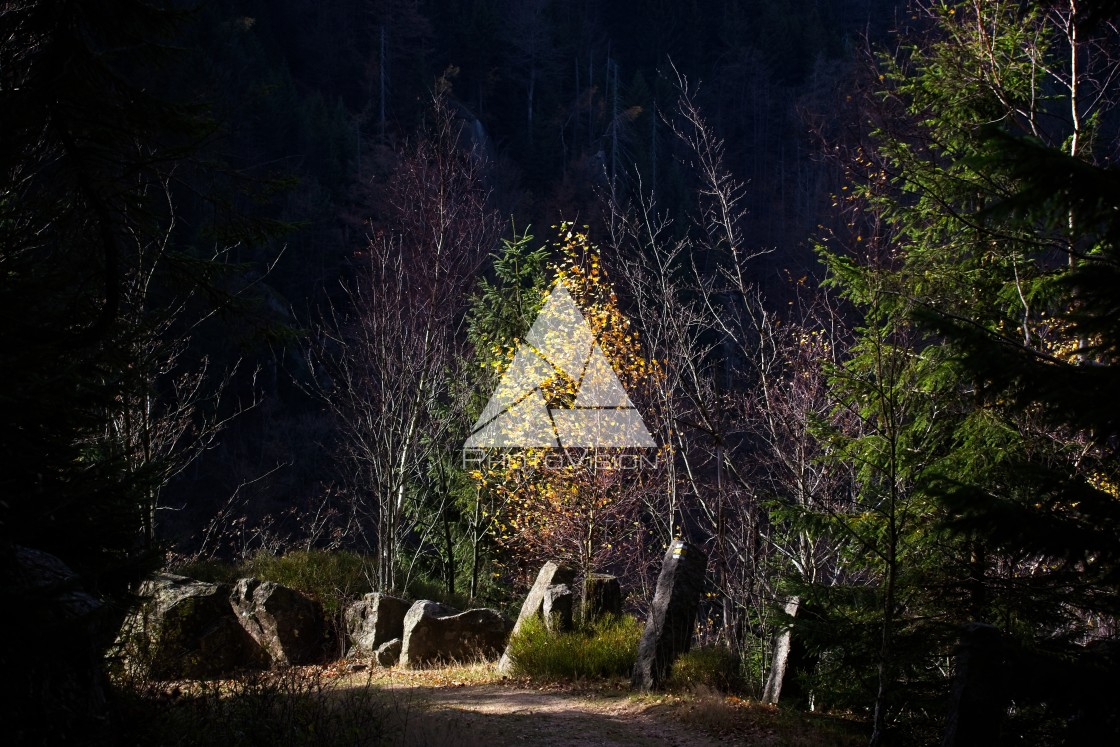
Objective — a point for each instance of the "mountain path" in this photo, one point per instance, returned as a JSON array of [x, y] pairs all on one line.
[[505, 714]]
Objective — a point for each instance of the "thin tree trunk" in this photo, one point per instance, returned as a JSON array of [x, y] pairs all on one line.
[[879, 728], [773, 690], [476, 542], [449, 546]]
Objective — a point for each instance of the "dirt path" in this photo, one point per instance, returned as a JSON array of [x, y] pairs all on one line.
[[469, 706], [496, 715]]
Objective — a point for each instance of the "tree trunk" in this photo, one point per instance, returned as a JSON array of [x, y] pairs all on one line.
[[476, 543], [879, 720], [773, 690], [449, 548]]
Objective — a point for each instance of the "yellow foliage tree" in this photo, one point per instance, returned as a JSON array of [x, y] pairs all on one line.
[[581, 506]]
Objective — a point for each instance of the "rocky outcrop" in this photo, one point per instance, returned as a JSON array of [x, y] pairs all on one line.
[[286, 624], [186, 629], [672, 617], [388, 653], [373, 620], [434, 633], [551, 574]]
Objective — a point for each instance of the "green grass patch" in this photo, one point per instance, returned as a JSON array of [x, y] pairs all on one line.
[[212, 571], [421, 587], [606, 648]]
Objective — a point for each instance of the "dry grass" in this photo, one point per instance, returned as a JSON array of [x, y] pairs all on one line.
[[741, 721]]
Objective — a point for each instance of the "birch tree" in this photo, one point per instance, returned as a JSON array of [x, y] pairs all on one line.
[[383, 359]]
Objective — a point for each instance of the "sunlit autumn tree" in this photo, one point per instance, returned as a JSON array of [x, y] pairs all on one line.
[[578, 505]]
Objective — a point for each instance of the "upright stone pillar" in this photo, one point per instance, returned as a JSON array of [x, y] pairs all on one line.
[[551, 574], [672, 618]]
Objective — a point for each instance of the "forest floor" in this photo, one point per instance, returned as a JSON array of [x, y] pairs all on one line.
[[476, 706]]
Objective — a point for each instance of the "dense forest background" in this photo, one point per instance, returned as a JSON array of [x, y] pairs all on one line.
[[855, 262], [323, 96]]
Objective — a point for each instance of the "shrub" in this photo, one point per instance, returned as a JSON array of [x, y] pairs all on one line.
[[712, 667], [607, 648], [211, 570], [421, 587], [333, 577]]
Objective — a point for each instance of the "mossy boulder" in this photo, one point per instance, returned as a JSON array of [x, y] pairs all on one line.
[[185, 628]]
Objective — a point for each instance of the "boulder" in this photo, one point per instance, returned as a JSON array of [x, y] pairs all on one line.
[[286, 624], [551, 574], [52, 651], [602, 595], [557, 608], [388, 653], [373, 620], [668, 632], [434, 633], [186, 629]]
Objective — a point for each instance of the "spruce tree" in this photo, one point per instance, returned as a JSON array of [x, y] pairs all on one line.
[[984, 219]]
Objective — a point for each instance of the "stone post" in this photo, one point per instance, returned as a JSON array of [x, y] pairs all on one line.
[[602, 595], [550, 574], [668, 632]]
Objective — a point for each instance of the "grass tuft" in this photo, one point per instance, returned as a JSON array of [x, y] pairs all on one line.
[[607, 648]]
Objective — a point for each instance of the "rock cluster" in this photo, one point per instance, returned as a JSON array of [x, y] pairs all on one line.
[[285, 623], [191, 629], [56, 631], [187, 628]]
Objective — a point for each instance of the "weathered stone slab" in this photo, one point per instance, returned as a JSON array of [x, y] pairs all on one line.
[[602, 595], [550, 574], [286, 624], [373, 620], [672, 618], [557, 608], [389, 653], [434, 633]]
